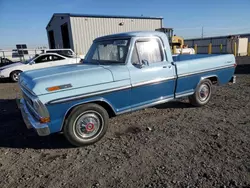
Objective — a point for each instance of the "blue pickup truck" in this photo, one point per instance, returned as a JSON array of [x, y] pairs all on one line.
[[120, 73]]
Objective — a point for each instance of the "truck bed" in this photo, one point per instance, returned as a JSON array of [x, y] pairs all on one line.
[[190, 64], [191, 57], [192, 68]]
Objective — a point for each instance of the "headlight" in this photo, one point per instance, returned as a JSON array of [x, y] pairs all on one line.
[[38, 109], [42, 111]]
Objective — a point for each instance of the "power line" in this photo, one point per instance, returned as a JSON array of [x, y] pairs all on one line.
[[215, 28]]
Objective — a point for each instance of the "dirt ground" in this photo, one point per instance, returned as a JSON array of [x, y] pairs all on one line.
[[187, 146]]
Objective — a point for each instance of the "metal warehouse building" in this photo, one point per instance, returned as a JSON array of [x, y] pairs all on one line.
[[77, 31], [202, 43]]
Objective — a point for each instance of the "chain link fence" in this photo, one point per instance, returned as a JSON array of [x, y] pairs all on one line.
[[16, 55]]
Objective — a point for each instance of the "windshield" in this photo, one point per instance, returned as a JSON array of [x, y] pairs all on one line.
[[108, 51]]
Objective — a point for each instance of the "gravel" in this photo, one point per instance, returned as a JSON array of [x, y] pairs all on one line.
[[170, 145]]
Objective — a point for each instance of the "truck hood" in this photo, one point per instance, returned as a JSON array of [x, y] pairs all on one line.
[[77, 75]]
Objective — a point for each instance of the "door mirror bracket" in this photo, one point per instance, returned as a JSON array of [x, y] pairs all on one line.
[[31, 62], [145, 62]]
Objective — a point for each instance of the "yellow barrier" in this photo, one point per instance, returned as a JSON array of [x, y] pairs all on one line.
[[235, 49], [195, 48], [221, 48], [248, 49], [174, 50], [210, 48]]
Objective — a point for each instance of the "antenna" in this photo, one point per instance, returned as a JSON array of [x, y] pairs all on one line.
[[76, 53], [202, 32]]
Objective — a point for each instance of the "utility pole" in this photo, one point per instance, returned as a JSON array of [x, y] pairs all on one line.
[[202, 32]]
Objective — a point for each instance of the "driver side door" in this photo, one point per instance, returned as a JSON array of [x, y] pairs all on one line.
[[152, 76]]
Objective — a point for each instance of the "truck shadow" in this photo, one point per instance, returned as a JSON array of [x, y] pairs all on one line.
[[243, 69], [14, 134], [174, 104], [5, 80]]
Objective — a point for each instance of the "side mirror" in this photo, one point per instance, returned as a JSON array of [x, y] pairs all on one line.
[[145, 62], [31, 62]]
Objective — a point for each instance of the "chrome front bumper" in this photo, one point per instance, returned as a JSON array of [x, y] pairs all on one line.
[[42, 129]]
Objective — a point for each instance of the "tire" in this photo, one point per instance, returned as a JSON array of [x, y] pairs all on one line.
[[14, 76], [93, 124], [202, 93]]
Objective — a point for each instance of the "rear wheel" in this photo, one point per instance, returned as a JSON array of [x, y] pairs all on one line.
[[86, 124], [14, 76], [202, 93]]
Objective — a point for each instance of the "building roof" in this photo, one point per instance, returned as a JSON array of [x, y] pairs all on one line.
[[100, 16], [132, 34], [218, 37]]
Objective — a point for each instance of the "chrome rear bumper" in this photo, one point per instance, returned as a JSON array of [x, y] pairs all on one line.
[[42, 129], [233, 80]]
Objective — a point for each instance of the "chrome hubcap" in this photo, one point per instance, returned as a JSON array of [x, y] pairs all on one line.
[[204, 92], [16, 76], [88, 125]]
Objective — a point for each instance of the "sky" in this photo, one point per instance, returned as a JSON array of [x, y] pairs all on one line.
[[24, 21]]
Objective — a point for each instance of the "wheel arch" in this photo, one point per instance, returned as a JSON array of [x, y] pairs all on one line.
[[213, 78], [102, 102], [14, 71], [195, 99]]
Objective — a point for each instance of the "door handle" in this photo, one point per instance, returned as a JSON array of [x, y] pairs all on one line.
[[165, 66]]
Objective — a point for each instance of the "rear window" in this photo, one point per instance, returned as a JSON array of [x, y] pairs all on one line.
[[67, 53]]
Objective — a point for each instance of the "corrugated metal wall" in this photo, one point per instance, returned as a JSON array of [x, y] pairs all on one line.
[[85, 29], [202, 44]]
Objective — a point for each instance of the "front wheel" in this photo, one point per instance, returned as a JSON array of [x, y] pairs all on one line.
[[14, 76], [86, 124], [202, 93]]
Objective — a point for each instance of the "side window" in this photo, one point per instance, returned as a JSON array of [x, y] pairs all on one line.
[[135, 59], [57, 58], [150, 50], [42, 59]]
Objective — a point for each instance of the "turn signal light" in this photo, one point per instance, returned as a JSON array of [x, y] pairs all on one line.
[[53, 88], [44, 120]]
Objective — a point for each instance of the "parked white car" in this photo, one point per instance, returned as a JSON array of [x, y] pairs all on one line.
[[64, 51], [13, 71]]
